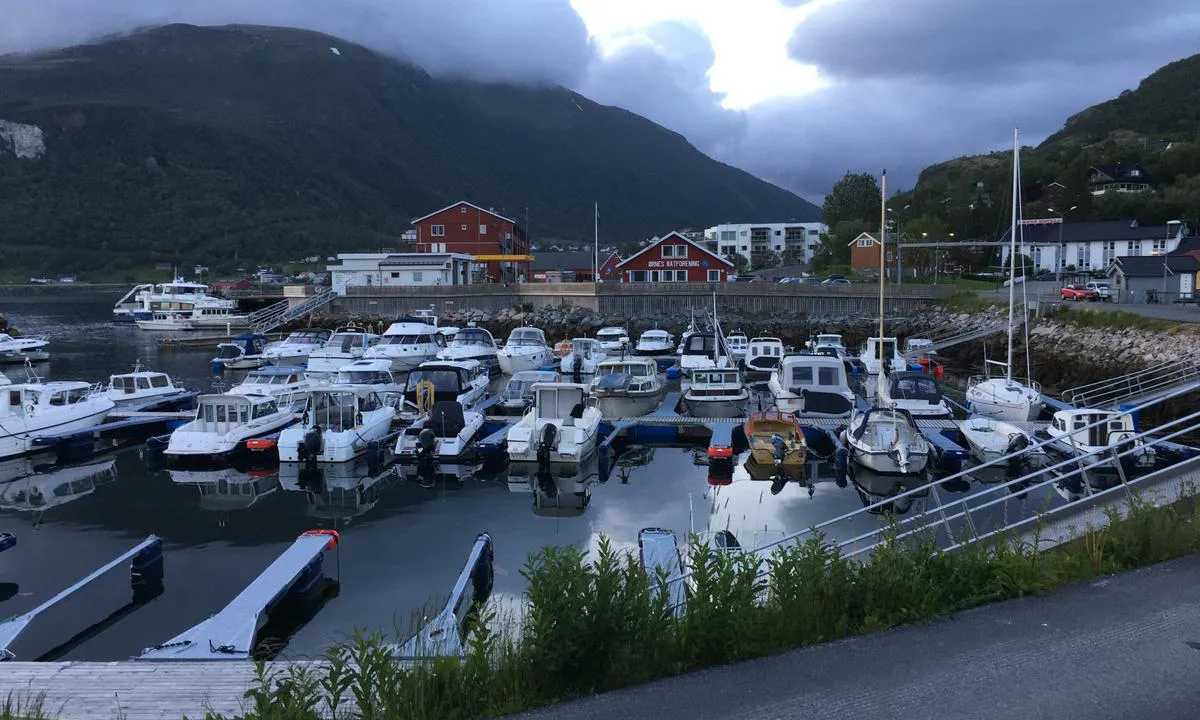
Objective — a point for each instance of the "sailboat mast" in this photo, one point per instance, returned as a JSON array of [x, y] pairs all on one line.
[[716, 334], [882, 253], [1012, 247]]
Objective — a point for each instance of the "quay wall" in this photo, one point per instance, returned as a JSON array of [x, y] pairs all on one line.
[[640, 300]]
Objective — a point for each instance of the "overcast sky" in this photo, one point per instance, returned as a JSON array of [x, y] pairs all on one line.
[[795, 91]]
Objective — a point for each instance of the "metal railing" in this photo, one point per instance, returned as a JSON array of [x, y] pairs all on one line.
[[1140, 385], [969, 511], [951, 337], [282, 312]]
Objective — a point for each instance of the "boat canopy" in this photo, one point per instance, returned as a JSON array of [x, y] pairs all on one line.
[[915, 386], [558, 400], [884, 415], [815, 371], [520, 385], [638, 368], [473, 337], [527, 336]]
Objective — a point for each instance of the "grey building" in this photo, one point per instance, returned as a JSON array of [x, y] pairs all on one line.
[[1162, 277]]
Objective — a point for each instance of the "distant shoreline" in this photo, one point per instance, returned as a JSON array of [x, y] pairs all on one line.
[[60, 288]]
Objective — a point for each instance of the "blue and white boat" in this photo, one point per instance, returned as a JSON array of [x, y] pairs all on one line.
[[241, 352], [143, 301]]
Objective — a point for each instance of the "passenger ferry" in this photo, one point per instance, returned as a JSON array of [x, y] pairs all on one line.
[[142, 301]]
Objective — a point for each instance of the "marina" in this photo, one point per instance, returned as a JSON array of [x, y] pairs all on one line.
[[223, 528]]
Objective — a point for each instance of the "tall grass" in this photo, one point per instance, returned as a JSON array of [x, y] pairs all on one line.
[[599, 624], [1116, 320], [24, 708]]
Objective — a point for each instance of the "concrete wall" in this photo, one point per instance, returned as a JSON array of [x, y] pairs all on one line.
[[642, 299]]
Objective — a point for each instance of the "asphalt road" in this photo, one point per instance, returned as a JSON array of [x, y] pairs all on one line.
[[1123, 647], [1048, 291]]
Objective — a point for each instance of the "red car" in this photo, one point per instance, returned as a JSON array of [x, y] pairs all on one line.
[[1077, 293]]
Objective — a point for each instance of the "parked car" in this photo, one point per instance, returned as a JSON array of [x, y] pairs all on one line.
[[836, 281], [1100, 287], [1077, 293]]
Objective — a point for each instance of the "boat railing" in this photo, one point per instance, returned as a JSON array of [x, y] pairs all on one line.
[[965, 521], [1136, 385]]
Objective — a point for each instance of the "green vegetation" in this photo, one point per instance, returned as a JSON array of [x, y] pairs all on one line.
[[967, 301], [593, 626], [1157, 126], [24, 708], [1115, 320], [225, 145]]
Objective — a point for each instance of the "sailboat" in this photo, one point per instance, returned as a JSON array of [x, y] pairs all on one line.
[[885, 440], [1007, 398]]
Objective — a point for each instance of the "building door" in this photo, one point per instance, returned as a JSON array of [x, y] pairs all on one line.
[[1185, 285]]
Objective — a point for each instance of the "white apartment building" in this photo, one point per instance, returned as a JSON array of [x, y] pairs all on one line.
[[747, 239], [1091, 246], [392, 269]]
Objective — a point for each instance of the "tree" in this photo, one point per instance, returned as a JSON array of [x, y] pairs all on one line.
[[856, 197], [740, 263], [835, 243]]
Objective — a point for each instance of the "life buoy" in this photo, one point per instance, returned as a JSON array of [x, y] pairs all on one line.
[[29, 409], [564, 348]]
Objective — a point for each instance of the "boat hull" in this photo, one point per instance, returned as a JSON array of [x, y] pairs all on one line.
[[995, 399], [719, 406], [336, 447], [21, 434], [513, 364], [619, 406], [881, 463]]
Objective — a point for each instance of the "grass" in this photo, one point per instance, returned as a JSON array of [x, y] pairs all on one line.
[[600, 624], [24, 708], [1115, 320], [967, 301]]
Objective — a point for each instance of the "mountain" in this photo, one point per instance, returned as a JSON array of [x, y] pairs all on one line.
[[1156, 126], [219, 144]]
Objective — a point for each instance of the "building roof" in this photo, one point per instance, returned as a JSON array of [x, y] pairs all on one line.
[[1187, 246], [669, 235], [464, 202], [1120, 172], [1152, 265], [1100, 230]]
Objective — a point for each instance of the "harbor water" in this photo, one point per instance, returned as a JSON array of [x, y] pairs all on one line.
[[403, 538]]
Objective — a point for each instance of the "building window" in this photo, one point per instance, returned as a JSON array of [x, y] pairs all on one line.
[[714, 276], [743, 233], [418, 276], [396, 276], [463, 228], [728, 236], [1081, 257], [462, 210], [778, 232], [1160, 247], [681, 276], [437, 230], [865, 242], [1110, 251], [674, 251], [1133, 248], [483, 229], [814, 232]]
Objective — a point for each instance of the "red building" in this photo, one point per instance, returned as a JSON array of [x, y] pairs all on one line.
[[499, 244], [571, 266], [674, 258]]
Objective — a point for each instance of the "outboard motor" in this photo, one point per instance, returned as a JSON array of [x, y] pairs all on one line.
[[778, 483], [780, 448], [546, 444], [577, 369], [899, 454], [426, 448], [311, 446], [1016, 461]]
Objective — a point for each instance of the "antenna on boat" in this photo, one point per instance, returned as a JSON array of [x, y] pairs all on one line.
[[1012, 243], [882, 260]]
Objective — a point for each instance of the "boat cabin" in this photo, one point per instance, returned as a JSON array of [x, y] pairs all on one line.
[[715, 381], [139, 382], [657, 336], [526, 336], [219, 414], [559, 401], [701, 343], [309, 336], [242, 345], [365, 372], [470, 337], [871, 350], [1071, 426], [270, 380], [633, 375], [915, 386], [339, 409], [34, 397], [450, 379], [820, 380], [586, 348], [764, 353], [350, 340], [410, 332], [519, 389]]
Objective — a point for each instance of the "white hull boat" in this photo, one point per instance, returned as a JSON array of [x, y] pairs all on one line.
[[525, 350], [224, 423], [517, 396], [296, 347], [444, 435], [738, 345], [655, 343], [473, 344], [143, 389], [29, 411], [1005, 399], [344, 347], [561, 427], [916, 392], [438, 380], [288, 385], [716, 394], [613, 340], [887, 442], [989, 439], [627, 388], [1096, 433], [582, 358], [764, 354], [828, 344], [338, 424], [891, 356], [812, 386], [243, 352], [407, 344], [22, 349]]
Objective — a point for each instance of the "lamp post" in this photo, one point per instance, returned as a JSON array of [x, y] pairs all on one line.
[[898, 213], [1058, 256], [1166, 252]]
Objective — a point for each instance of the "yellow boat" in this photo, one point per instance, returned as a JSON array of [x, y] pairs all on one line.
[[776, 438]]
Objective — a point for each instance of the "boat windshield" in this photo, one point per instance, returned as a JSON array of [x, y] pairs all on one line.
[[889, 347], [916, 387], [715, 377], [308, 337], [558, 402], [610, 334], [407, 340], [808, 375], [472, 337], [518, 389], [638, 370], [526, 337], [443, 380], [347, 341], [700, 344], [332, 410], [229, 352], [363, 377]]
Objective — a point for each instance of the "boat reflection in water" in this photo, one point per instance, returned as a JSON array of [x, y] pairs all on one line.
[[439, 474], [337, 490], [874, 488], [225, 489], [25, 487], [559, 490]]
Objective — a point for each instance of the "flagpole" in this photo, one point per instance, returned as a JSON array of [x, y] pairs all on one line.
[[596, 247]]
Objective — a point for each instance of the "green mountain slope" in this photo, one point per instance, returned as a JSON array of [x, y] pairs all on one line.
[[1156, 125], [211, 145]]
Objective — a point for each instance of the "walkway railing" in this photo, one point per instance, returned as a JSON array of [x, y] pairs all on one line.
[[282, 312], [1141, 385]]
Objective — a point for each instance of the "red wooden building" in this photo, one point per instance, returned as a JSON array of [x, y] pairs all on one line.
[[485, 234], [674, 258]]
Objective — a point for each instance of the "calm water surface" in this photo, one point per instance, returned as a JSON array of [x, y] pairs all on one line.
[[403, 541]]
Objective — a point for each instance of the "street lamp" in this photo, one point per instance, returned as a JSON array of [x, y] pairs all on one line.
[[1059, 260], [897, 213], [1167, 253]]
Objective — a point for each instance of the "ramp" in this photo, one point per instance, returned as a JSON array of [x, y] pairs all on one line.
[[1141, 386], [272, 316], [951, 338]]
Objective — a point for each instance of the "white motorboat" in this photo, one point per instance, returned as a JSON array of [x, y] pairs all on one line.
[[701, 352], [1109, 429], [473, 343], [582, 357], [4, 380], [287, 384], [338, 424], [444, 435], [828, 344], [526, 349], [23, 349], [716, 393], [33, 410], [517, 396], [886, 441], [916, 392], [200, 317], [141, 302], [764, 354], [407, 343], [561, 427], [870, 354], [738, 345], [812, 386], [613, 340], [655, 343], [241, 352], [143, 389], [344, 347], [627, 387], [1008, 398], [224, 423], [376, 373], [296, 347], [463, 382], [989, 439]]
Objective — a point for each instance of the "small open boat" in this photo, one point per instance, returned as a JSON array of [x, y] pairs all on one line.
[[776, 438]]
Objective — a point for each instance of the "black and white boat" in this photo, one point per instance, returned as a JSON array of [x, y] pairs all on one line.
[[473, 343]]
